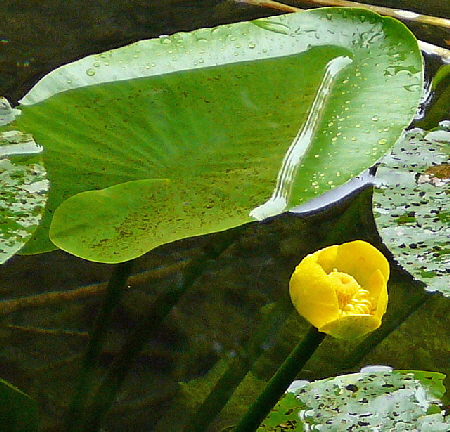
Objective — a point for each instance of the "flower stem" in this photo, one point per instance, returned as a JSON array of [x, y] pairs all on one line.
[[278, 384], [114, 293], [239, 367]]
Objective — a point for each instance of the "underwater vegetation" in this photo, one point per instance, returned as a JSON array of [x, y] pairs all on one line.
[[179, 169]]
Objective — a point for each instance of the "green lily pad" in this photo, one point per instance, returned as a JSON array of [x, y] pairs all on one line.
[[412, 206], [23, 191], [378, 400], [284, 416], [225, 125]]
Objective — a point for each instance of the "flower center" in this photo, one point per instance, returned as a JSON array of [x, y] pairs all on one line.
[[353, 300]]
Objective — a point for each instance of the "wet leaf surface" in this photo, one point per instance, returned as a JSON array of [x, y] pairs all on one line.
[[412, 205], [212, 125]]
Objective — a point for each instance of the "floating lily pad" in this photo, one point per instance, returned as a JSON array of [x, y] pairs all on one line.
[[412, 205], [23, 191], [379, 400], [212, 129]]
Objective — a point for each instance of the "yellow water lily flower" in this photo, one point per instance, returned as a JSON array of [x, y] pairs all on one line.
[[342, 289]]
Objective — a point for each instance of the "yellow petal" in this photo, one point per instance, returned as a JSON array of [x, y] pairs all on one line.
[[326, 258], [351, 326], [312, 294], [342, 290], [378, 288], [360, 259]]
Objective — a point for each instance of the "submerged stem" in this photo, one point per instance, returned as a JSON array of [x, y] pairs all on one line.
[[107, 391], [114, 293], [280, 381], [238, 368], [92, 290], [403, 15]]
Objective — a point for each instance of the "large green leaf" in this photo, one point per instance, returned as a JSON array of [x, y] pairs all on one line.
[[412, 206], [202, 124]]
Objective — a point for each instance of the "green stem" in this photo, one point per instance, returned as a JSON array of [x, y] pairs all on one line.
[[114, 293], [239, 367], [107, 391], [278, 384]]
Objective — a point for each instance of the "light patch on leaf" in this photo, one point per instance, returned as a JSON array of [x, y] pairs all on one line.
[[412, 206], [376, 401], [23, 192]]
